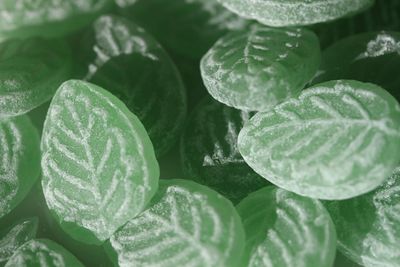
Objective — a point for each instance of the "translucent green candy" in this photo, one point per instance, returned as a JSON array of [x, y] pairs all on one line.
[[43, 253], [369, 226], [24, 18], [337, 140], [99, 167], [16, 236], [369, 57], [187, 28], [209, 150], [123, 58], [286, 230], [30, 72], [186, 225], [295, 12], [19, 161], [257, 68]]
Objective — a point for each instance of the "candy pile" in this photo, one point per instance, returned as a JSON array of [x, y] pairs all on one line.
[[204, 133]]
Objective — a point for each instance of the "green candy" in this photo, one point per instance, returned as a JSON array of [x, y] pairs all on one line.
[[337, 140], [280, 13], [257, 68], [19, 161], [368, 57], [16, 236], [369, 226], [30, 72], [123, 58], [47, 18], [209, 150], [99, 167], [43, 253], [186, 225], [187, 28], [286, 230]]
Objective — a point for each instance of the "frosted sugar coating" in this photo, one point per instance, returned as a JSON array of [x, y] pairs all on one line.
[[259, 67], [186, 225], [99, 167], [284, 229], [281, 13], [336, 140]]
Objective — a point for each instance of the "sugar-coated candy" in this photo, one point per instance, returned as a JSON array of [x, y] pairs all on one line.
[[99, 166], [368, 226], [286, 230], [259, 67], [42, 253], [187, 224], [337, 140]]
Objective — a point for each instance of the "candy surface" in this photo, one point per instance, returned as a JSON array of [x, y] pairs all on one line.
[[259, 67], [99, 167], [121, 57], [186, 225], [369, 226], [337, 140], [284, 229], [209, 150], [43, 253], [30, 73], [280, 13], [19, 161]]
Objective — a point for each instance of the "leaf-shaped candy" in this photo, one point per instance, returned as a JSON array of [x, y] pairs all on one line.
[[280, 13], [368, 226], [48, 18], [99, 167], [43, 253], [284, 229], [337, 140], [16, 236], [19, 161], [187, 225], [30, 73], [259, 67]]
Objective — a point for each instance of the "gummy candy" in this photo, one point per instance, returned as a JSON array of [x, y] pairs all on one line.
[[99, 167]]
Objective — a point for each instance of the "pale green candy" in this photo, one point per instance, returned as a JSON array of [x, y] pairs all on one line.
[[187, 224], [99, 166], [337, 140], [42, 253], [369, 226], [280, 13], [286, 230], [259, 67]]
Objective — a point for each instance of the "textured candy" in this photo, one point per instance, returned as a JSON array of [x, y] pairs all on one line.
[[99, 167], [368, 57], [187, 27], [280, 13], [24, 18], [259, 67], [43, 253], [209, 150], [30, 73], [19, 161], [337, 140], [186, 225], [369, 226], [16, 236], [128, 62], [284, 229]]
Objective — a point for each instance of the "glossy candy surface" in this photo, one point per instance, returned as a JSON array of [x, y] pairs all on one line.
[[99, 167], [259, 67], [337, 140], [284, 229], [187, 224]]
